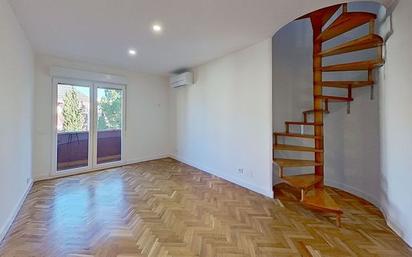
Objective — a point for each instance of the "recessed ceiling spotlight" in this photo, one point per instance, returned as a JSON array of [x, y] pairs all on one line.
[[157, 28], [132, 52]]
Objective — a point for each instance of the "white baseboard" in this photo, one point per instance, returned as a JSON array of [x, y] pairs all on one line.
[[127, 162], [388, 219], [355, 191], [16, 210], [148, 158], [395, 227], [227, 177], [222, 175]]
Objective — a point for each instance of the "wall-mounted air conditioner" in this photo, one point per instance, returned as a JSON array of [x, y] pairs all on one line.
[[183, 79]]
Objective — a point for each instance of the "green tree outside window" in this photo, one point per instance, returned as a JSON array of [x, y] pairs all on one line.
[[73, 112], [110, 110]]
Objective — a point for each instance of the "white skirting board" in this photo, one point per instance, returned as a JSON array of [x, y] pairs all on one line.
[[16, 210], [127, 162], [391, 222], [225, 176], [148, 158]]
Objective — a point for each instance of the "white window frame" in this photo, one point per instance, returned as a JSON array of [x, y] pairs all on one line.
[[123, 125], [93, 81]]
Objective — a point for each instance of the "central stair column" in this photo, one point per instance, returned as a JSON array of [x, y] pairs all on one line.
[[317, 92]]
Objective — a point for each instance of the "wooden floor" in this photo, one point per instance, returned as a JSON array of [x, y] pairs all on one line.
[[166, 208]]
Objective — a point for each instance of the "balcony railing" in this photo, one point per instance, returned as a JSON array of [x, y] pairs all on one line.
[[73, 148]]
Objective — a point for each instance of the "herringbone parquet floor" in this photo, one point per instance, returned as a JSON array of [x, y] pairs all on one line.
[[166, 208]]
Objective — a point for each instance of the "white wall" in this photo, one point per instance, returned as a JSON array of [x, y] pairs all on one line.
[[16, 85], [222, 123], [396, 123], [292, 86], [146, 122]]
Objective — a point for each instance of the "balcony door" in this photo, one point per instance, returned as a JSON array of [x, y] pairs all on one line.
[[109, 123], [88, 125]]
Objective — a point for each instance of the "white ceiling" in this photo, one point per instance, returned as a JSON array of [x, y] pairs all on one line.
[[195, 31]]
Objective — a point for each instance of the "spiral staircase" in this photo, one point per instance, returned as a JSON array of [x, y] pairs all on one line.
[[312, 192]]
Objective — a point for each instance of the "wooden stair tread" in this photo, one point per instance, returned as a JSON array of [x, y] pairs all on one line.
[[320, 200], [313, 111], [353, 66], [323, 14], [331, 98], [365, 42], [344, 23], [296, 148], [303, 123], [295, 163], [347, 83], [302, 181], [284, 134]]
